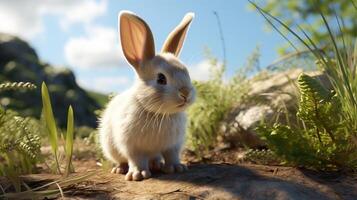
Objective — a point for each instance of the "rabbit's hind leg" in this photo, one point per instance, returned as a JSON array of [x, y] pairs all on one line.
[[156, 163], [121, 168], [172, 160], [120, 161]]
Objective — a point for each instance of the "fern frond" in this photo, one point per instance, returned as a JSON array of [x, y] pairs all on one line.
[[319, 107], [265, 157], [17, 86], [20, 138], [30, 145], [308, 85]]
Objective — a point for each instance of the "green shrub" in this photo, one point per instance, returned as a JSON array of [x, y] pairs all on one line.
[[19, 140], [19, 143], [215, 97], [19, 137], [209, 109], [329, 138]]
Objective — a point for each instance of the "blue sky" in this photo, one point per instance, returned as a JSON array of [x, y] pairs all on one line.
[[82, 34]]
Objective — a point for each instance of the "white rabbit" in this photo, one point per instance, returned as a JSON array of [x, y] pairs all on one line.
[[147, 122]]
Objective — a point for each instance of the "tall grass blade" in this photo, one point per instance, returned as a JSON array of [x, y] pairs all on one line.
[[265, 13], [340, 60], [69, 140], [221, 37], [341, 28], [354, 4], [296, 35], [262, 12], [50, 123]]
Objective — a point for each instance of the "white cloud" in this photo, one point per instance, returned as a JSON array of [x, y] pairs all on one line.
[[200, 71], [25, 17], [105, 84], [17, 17], [81, 12], [98, 48]]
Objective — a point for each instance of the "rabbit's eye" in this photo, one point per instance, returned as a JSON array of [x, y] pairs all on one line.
[[161, 79]]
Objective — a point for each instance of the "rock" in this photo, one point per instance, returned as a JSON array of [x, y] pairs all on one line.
[[267, 101], [19, 62]]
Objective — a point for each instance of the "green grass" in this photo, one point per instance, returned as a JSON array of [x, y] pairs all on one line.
[[50, 124], [53, 134], [69, 141]]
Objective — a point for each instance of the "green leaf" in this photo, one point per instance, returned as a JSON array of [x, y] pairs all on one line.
[[50, 122], [69, 140]]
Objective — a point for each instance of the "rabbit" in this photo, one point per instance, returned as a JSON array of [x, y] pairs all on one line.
[[143, 128]]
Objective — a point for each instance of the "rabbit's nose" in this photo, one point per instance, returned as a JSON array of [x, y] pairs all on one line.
[[184, 92]]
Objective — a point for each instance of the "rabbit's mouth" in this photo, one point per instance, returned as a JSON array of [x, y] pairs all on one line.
[[182, 105], [185, 103]]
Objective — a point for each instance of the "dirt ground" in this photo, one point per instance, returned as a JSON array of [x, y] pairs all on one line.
[[220, 175]]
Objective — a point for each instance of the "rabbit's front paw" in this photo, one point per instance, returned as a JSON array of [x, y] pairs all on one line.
[[137, 175], [171, 168]]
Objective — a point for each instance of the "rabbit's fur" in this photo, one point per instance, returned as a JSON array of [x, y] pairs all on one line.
[[146, 123]]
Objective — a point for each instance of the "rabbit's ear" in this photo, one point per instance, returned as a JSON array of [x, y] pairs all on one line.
[[136, 39], [174, 41]]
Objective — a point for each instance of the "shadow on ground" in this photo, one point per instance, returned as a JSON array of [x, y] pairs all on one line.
[[343, 184]]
